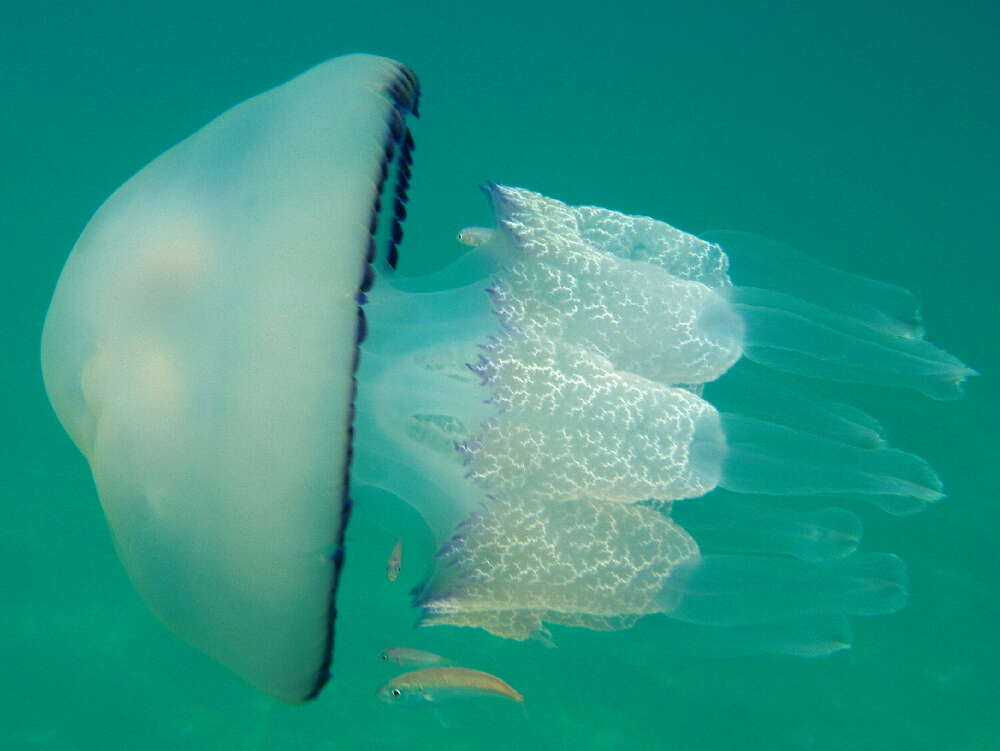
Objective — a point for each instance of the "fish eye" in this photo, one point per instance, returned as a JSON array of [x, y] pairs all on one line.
[[384, 656], [396, 692]]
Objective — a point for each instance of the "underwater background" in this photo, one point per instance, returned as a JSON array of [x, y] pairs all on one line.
[[862, 133]]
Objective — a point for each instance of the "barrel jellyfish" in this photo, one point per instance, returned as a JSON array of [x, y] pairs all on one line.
[[582, 408]]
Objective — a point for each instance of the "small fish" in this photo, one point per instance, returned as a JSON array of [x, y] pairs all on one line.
[[409, 657], [438, 684], [475, 236], [395, 562]]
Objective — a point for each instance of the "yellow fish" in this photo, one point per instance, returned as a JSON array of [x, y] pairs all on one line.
[[395, 562], [439, 684]]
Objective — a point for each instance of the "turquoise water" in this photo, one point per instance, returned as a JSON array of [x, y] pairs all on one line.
[[862, 133]]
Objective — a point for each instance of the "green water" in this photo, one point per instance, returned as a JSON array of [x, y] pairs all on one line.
[[864, 133]]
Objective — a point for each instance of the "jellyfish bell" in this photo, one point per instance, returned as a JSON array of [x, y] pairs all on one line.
[[199, 349], [545, 403]]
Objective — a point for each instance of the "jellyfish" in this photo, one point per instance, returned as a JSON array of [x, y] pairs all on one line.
[[231, 349]]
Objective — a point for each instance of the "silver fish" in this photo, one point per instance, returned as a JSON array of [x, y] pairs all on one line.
[[411, 657], [475, 236], [395, 562]]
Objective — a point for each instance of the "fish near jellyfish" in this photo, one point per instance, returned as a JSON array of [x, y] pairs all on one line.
[[230, 348], [442, 684]]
